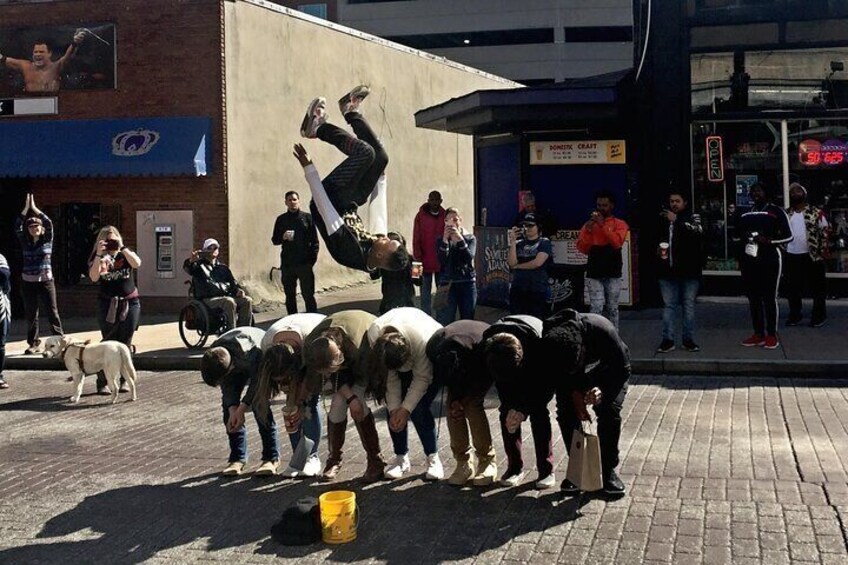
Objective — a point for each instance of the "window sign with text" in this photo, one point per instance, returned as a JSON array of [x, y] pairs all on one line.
[[586, 152]]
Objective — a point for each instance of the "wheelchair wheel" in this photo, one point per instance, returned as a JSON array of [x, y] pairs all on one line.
[[194, 325]]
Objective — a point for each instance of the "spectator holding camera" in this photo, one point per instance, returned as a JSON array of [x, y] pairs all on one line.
[[528, 257], [215, 285], [35, 234], [456, 280], [601, 238], [112, 263]]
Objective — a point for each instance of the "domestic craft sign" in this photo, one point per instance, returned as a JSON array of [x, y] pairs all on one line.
[[715, 159], [587, 152]]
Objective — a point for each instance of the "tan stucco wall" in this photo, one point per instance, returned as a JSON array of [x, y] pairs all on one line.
[[276, 63]]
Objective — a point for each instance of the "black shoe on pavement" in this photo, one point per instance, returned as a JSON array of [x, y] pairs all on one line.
[[104, 391], [793, 320], [665, 346], [818, 323], [691, 346], [568, 488], [613, 485]]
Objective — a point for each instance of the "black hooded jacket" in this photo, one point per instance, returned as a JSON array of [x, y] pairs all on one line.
[[525, 391]]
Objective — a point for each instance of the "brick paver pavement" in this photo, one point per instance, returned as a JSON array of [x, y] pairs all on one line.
[[723, 470]]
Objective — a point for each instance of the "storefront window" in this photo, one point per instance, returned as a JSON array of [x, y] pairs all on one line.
[[818, 159], [802, 78], [728, 157]]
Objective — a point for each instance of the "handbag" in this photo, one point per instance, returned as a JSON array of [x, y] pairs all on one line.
[[440, 300], [584, 460]]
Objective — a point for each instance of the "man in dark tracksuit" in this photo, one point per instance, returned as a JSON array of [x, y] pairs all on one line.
[[762, 229], [511, 350], [232, 362], [295, 232], [574, 342], [335, 200]]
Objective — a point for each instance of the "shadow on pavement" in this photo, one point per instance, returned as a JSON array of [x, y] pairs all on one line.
[[706, 382], [55, 403], [208, 513]]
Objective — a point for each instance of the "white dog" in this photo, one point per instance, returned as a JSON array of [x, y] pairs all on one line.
[[82, 358]]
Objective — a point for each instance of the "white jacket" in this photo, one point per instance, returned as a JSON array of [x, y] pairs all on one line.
[[301, 324], [417, 327]]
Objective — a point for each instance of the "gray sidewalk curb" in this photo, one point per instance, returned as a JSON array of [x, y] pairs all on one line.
[[741, 367], [701, 367]]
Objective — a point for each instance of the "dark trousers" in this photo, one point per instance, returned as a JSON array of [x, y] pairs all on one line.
[[531, 303], [462, 296], [760, 276], [45, 291], [290, 276], [540, 426], [121, 330], [608, 413], [350, 184], [801, 275]]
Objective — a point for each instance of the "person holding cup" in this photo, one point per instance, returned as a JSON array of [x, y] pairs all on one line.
[[680, 261], [295, 233]]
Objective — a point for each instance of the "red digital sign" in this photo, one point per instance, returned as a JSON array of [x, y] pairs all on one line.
[[812, 153]]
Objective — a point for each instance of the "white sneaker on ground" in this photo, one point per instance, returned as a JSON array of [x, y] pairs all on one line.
[[312, 468], [397, 467], [512, 480], [435, 470], [290, 473], [546, 482]]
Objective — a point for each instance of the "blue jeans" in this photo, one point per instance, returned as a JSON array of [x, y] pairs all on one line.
[[462, 295], [311, 427], [679, 292], [231, 396], [422, 419], [427, 293]]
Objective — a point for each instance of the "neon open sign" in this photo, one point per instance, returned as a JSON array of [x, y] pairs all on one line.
[[832, 152], [715, 159]]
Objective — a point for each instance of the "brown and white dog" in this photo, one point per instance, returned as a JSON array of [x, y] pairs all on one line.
[[83, 358]]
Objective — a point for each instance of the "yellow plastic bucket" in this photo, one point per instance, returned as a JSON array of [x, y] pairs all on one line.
[[339, 517]]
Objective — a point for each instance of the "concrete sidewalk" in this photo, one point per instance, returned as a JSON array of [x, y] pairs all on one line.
[[721, 324]]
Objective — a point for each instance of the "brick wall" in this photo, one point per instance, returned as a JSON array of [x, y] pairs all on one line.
[[169, 63]]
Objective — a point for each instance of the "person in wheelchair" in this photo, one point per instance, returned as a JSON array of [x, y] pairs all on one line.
[[215, 286]]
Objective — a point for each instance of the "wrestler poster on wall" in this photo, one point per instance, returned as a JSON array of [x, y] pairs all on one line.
[[46, 60]]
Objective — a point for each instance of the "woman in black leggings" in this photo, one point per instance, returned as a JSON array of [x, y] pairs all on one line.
[[762, 229]]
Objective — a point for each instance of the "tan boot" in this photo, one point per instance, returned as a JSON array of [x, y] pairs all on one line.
[[487, 472], [335, 442], [464, 471], [371, 442]]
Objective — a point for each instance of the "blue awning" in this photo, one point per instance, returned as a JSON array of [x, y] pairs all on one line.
[[105, 148]]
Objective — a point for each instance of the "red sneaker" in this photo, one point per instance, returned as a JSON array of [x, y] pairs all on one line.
[[754, 341], [771, 342]]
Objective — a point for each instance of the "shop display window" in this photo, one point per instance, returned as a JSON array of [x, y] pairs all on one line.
[[804, 79], [728, 157]]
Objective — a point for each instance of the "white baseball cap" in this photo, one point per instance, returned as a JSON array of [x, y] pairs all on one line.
[[208, 243]]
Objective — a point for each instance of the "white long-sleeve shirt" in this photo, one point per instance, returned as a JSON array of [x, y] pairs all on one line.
[[417, 328], [300, 324]]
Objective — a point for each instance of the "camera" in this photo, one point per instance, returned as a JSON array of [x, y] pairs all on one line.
[[112, 245]]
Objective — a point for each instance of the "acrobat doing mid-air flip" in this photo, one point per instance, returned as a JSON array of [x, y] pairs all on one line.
[[357, 180]]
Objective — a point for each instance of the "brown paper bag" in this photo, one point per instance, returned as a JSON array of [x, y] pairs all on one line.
[[584, 461]]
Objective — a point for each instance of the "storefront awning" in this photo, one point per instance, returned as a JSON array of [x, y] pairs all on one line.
[[530, 108], [105, 148]]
